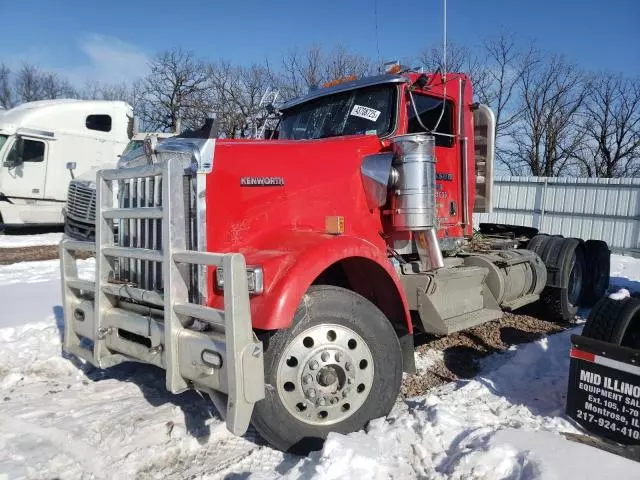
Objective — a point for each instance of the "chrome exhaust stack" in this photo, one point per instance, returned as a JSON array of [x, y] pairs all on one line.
[[413, 204]]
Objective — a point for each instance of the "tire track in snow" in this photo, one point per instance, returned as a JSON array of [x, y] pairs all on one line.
[[81, 452]]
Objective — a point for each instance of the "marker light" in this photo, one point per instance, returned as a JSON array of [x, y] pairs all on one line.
[[338, 81], [255, 279]]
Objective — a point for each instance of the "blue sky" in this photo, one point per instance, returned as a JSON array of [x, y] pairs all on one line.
[[112, 40]]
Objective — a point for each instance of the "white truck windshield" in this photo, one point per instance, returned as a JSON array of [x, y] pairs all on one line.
[[133, 144], [366, 111], [3, 140]]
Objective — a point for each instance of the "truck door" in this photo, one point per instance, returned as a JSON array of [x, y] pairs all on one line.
[[438, 117], [25, 162]]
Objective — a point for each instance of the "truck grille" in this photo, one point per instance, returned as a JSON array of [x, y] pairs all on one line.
[[81, 202], [147, 233]]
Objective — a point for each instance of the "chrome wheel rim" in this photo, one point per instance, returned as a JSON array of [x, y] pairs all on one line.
[[325, 374]]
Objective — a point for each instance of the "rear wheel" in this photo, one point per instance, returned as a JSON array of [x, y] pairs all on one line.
[[567, 274], [537, 243], [598, 259], [336, 368], [615, 321]]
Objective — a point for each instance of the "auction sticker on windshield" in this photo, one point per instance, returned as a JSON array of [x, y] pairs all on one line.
[[365, 112]]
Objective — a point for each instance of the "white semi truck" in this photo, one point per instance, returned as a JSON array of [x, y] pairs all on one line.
[[40, 140], [80, 211]]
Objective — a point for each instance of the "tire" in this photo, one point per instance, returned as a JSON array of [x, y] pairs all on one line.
[[537, 243], [333, 317], [598, 257], [566, 268], [615, 321]]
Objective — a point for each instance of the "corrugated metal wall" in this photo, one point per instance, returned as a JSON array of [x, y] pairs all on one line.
[[599, 208]]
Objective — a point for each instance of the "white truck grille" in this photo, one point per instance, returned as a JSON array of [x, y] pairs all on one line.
[[81, 202]]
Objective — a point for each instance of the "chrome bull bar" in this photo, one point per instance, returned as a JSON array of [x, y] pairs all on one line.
[[107, 323]]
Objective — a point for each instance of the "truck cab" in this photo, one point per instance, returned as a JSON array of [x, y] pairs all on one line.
[[394, 104], [37, 142]]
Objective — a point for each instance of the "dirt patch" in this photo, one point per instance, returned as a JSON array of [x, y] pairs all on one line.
[[28, 254], [462, 350], [31, 254]]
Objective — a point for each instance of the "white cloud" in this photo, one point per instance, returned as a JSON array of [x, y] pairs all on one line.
[[98, 58], [107, 60]]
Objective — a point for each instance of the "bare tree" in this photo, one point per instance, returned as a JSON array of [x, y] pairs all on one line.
[[238, 96], [460, 59], [504, 67], [300, 71], [612, 128], [94, 90], [6, 92], [225, 80], [496, 70], [255, 83], [340, 64], [28, 84], [544, 140], [52, 87], [177, 85], [312, 67]]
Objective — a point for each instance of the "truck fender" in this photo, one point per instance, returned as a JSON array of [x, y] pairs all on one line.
[[298, 270]]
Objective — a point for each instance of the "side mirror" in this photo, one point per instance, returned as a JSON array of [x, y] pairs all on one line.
[[15, 155], [71, 166]]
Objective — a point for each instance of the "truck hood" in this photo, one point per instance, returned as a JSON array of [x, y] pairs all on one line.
[[90, 175], [271, 187], [205, 151]]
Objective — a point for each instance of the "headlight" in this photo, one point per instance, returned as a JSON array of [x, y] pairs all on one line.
[[255, 279]]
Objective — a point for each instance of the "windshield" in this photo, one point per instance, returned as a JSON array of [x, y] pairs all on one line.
[[366, 111], [136, 144], [3, 140], [133, 144]]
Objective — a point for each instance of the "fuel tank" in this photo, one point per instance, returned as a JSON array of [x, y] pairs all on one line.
[[515, 278]]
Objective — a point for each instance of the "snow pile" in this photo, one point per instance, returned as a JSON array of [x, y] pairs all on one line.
[[15, 241], [625, 273], [498, 425], [30, 291], [620, 294], [62, 418], [426, 360]]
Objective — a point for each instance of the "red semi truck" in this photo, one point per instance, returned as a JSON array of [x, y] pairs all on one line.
[[285, 277]]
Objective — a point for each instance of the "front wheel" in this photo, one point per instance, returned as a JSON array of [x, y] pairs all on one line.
[[336, 368]]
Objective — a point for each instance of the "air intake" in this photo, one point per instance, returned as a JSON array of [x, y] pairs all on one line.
[[414, 201]]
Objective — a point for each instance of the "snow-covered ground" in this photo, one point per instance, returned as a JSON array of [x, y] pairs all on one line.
[[60, 418], [12, 241]]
